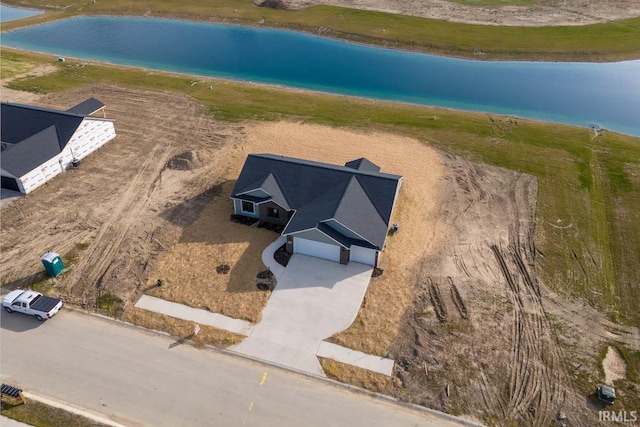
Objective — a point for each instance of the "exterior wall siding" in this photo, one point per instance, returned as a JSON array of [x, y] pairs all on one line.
[[38, 176], [263, 210], [90, 135], [237, 209]]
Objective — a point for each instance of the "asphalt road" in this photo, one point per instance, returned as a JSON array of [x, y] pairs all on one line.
[[141, 378]]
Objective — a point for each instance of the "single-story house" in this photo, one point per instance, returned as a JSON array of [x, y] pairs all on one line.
[[38, 143], [339, 213]]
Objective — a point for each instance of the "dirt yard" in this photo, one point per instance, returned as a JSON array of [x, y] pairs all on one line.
[[537, 13], [458, 305]]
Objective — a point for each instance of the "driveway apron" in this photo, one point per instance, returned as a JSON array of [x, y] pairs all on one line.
[[313, 300]]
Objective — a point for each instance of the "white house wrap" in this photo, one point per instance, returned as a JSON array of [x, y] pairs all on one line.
[[39, 143]]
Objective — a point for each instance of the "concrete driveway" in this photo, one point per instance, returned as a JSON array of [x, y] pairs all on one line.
[[313, 300]]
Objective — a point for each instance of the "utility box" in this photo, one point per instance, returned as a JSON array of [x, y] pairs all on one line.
[[52, 264], [606, 394]]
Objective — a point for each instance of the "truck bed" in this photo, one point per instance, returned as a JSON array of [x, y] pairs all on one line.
[[44, 304]]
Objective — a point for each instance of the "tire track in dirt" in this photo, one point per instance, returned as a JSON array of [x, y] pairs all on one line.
[[437, 301], [152, 128], [108, 242], [131, 201], [537, 378], [457, 300]]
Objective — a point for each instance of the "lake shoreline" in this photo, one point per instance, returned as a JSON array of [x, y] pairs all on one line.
[[218, 80], [421, 42], [298, 61]]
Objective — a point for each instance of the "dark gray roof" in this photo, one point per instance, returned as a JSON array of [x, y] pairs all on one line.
[[342, 239], [30, 153], [87, 108], [359, 199], [20, 122], [34, 135], [363, 165]]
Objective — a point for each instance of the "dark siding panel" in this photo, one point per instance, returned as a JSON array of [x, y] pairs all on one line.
[[263, 210], [344, 255]]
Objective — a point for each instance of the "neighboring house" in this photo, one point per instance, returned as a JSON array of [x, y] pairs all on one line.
[[339, 213], [39, 143]]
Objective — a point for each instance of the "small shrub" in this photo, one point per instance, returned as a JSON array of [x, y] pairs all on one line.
[[109, 303]]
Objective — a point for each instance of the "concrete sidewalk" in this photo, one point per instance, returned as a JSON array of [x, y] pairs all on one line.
[[382, 365], [270, 262], [197, 315]]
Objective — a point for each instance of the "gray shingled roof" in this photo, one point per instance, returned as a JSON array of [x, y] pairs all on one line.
[[87, 108], [359, 199], [271, 186], [20, 122], [34, 135], [363, 165], [31, 153]]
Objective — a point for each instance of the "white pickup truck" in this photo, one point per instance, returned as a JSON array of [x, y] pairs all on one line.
[[31, 302]]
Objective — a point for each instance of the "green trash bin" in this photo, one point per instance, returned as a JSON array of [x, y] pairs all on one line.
[[52, 264]]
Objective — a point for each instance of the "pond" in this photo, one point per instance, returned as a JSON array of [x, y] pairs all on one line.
[[603, 95], [10, 13]]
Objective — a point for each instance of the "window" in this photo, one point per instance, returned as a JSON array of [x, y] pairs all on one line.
[[247, 207], [273, 213]]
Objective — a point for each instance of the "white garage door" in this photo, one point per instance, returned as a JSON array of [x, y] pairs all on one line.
[[316, 249], [363, 255]]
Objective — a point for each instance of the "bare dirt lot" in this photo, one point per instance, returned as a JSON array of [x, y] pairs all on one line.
[[458, 306], [540, 13]]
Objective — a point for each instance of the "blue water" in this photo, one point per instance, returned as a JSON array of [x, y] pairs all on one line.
[[8, 13], [584, 94]]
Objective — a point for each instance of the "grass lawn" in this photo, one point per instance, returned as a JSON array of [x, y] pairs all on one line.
[[600, 42], [212, 240], [12, 66], [38, 414]]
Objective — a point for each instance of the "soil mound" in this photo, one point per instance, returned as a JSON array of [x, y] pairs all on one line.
[[272, 4], [185, 161]]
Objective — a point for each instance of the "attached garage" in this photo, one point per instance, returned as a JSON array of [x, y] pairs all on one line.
[[363, 255], [316, 249]]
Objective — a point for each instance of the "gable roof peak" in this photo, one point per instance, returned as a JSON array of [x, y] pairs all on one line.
[[363, 164]]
